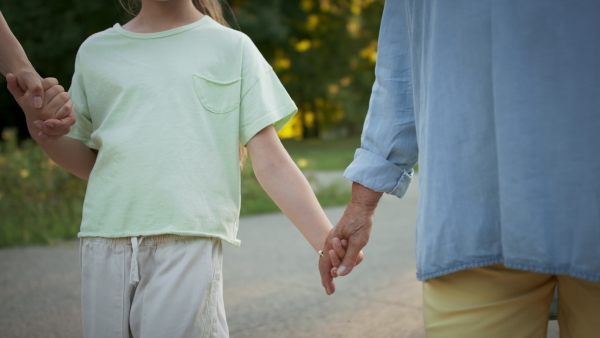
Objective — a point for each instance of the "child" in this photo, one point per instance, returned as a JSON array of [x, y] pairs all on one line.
[[162, 105]]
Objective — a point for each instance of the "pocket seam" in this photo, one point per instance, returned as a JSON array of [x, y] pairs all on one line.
[[203, 99]]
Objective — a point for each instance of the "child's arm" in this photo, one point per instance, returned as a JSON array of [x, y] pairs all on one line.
[[286, 185], [69, 153]]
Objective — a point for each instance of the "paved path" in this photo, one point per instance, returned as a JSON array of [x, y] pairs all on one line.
[[272, 286]]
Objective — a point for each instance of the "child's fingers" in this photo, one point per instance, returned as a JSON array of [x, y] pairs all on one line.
[[335, 260], [53, 128], [339, 250], [344, 243], [361, 256]]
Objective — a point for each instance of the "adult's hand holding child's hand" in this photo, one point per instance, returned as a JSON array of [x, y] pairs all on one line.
[[55, 116]]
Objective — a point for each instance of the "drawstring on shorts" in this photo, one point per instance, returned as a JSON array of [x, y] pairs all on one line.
[[134, 272]]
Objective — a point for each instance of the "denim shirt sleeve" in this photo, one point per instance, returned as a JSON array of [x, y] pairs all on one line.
[[389, 151]]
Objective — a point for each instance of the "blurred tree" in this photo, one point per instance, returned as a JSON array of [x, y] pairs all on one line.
[[323, 50]]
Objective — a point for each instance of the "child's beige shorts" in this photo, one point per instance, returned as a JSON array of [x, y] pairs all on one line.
[[497, 302], [155, 286]]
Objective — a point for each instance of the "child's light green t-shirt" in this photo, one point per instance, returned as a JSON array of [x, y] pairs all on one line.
[[166, 112]]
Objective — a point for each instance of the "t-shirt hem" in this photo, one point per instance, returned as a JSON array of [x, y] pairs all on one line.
[[236, 242], [514, 264]]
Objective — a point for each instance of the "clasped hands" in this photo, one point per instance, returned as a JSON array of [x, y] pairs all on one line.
[[343, 247], [45, 103]]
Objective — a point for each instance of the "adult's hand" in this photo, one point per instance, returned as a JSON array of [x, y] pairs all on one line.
[[51, 124], [29, 80], [355, 227], [55, 118]]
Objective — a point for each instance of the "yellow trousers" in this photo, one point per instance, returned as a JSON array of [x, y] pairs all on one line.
[[495, 301]]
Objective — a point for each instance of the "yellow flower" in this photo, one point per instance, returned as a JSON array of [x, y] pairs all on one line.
[[282, 63], [24, 173], [312, 22], [303, 45], [306, 5], [302, 163]]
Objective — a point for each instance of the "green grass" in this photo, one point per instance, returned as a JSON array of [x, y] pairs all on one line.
[[322, 155], [41, 203], [256, 201]]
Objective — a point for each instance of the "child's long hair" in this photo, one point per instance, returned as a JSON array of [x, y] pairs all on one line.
[[211, 8]]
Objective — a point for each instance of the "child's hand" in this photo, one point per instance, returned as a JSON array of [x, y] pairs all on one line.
[[337, 254], [55, 117]]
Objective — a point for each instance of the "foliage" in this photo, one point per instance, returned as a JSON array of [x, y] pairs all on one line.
[[39, 201], [323, 50], [314, 154]]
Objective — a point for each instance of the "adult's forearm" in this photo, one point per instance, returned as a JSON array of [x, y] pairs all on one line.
[[70, 154], [364, 196], [12, 55]]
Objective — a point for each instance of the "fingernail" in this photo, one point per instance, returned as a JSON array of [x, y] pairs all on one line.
[[341, 269], [37, 101], [38, 124]]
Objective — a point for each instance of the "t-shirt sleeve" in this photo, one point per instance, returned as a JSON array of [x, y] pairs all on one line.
[[264, 100], [83, 127]]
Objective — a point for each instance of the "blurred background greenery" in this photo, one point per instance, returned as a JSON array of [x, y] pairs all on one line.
[[322, 50]]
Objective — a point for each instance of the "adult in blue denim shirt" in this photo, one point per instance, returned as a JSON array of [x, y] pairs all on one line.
[[499, 102]]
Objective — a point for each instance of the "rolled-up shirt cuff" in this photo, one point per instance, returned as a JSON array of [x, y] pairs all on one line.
[[378, 174]]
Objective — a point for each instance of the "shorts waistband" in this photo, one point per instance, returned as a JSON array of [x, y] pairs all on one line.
[[147, 240]]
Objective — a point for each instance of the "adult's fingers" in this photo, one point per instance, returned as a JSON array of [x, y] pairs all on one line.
[[52, 92], [48, 82], [352, 255], [361, 255], [13, 86], [65, 113], [54, 104]]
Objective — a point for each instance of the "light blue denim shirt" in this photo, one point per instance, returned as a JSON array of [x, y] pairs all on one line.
[[499, 101]]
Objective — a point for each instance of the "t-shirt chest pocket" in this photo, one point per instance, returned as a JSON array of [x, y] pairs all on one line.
[[216, 96]]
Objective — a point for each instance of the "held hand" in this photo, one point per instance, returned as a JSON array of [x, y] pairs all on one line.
[[55, 117], [337, 254], [355, 227]]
